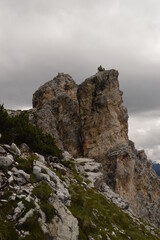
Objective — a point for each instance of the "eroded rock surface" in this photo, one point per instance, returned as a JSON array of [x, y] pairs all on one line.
[[103, 117], [57, 111], [90, 121], [134, 179]]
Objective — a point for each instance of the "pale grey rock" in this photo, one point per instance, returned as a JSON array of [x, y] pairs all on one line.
[[59, 167], [21, 177], [115, 198], [29, 214], [15, 149], [40, 158], [64, 226], [108, 238], [67, 156], [25, 175], [13, 197], [11, 179], [53, 180], [90, 169], [18, 210], [25, 148], [90, 238], [9, 149], [6, 161], [14, 169], [2, 150]]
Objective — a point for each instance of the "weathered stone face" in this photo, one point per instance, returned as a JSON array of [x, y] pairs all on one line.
[[103, 117], [57, 112], [90, 120], [85, 122], [134, 180]]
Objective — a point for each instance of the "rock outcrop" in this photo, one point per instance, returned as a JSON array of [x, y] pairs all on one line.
[[103, 117], [90, 120], [57, 112], [85, 120]]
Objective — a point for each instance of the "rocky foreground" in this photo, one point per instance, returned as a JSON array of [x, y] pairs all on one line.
[[51, 198]]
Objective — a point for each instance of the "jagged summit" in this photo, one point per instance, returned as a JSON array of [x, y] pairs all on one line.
[[70, 195], [90, 120], [73, 112], [62, 83]]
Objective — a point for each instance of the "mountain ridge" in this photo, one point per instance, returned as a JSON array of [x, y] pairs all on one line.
[[90, 122]]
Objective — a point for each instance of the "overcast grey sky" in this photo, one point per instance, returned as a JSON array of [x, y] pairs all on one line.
[[39, 38]]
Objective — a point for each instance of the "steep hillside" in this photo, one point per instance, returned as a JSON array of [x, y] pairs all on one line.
[[50, 197], [90, 120]]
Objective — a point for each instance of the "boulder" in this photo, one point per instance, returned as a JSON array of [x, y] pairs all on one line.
[[25, 148], [64, 226], [2, 150], [44, 173], [21, 177], [15, 149], [6, 161], [67, 156]]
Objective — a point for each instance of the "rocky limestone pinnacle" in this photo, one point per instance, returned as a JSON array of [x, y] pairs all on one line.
[[103, 117], [90, 121]]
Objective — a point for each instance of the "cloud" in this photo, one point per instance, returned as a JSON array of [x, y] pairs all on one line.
[[39, 39], [144, 130]]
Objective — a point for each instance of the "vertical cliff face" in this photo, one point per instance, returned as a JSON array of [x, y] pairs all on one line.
[[85, 120], [90, 120], [57, 111], [130, 174], [103, 117]]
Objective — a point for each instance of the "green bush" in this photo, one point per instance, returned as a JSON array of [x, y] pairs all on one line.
[[18, 129], [42, 191], [49, 210], [26, 164], [32, 225], [7, 230]]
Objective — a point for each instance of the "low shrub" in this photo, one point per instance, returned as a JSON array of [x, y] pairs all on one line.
[[42, 191], [18, 129], [49, 210], [26, 164]]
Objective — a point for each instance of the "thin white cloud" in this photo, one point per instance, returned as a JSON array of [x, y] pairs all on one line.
[[144, 130], [39, 39]]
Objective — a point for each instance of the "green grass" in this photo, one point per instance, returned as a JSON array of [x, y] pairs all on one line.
[[7, 228], [58, 172], [33, 178], [32, 225], [49, 210], [18, 129], [97, 216], [43, 192], [26, 164], [71, 165]]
